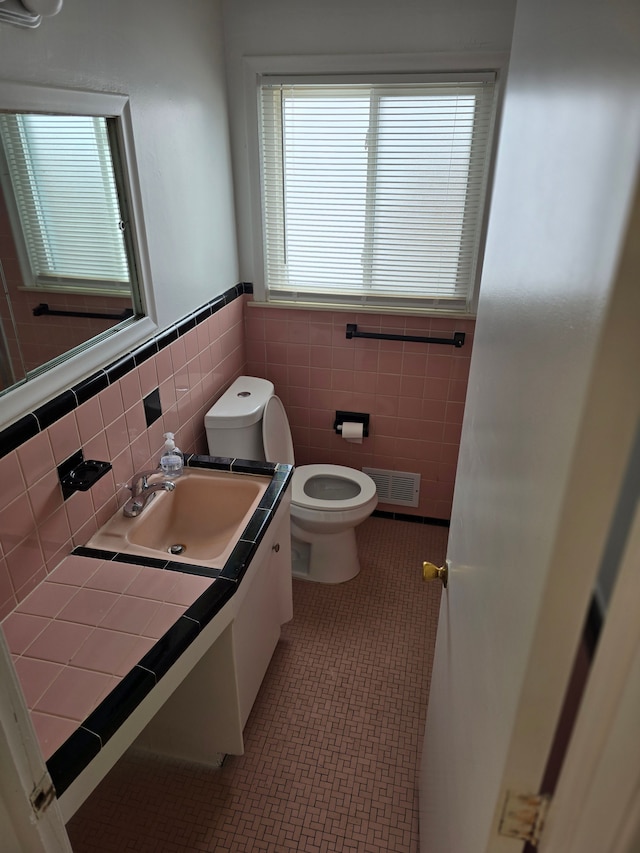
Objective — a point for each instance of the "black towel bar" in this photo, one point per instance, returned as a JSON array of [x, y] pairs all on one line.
[[43, 310], [456, 341]]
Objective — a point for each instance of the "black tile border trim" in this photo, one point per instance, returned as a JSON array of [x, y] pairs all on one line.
[[29, 425], [416, 519], [85, 743]]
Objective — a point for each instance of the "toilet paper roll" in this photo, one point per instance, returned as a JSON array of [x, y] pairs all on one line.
[[352, 432]]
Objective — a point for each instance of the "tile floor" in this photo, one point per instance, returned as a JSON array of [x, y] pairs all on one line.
[[333, 743]]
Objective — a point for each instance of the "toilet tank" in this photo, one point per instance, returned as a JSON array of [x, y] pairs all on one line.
[[234, 423]]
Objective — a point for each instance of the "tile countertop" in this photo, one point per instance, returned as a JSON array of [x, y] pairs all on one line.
[[92, 640]]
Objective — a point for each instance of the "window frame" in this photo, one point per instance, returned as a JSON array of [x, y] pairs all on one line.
[[58, 282], [379, 69]]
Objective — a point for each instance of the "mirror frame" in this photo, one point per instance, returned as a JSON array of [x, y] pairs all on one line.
[[31, 393]]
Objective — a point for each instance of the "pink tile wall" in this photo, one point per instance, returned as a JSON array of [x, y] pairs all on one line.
[[414, 392], [37, 527]]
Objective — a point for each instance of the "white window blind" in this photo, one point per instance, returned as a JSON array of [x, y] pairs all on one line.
[[63, 182], [374, 194]]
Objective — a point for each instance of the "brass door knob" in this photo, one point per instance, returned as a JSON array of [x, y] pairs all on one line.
[[431, 572]]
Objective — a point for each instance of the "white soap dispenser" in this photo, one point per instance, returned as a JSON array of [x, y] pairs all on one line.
[[172, 459]]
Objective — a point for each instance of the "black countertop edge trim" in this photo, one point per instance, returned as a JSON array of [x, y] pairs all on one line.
[[214, 463], [249, 466], [416, 519], [193, 569], [70, 759], [170, 646], [254, 531], [95, 553], [27, 426], [238, 561], [125, 697], [211, 601]]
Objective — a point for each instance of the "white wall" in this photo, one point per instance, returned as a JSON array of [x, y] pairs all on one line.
[[434, 31], [168, 57]]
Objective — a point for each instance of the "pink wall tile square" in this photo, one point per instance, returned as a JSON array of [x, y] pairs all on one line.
[[16, 523], [36, 458], [26, 565], [11, 478], [148, 376], [45, 496], [111, 404], [54, 533], [130, 389], [89, 419], [117, 435], [64, 437], [163, 364]]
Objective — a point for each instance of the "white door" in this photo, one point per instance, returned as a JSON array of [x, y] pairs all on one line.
[[552, 408], [23, 773]]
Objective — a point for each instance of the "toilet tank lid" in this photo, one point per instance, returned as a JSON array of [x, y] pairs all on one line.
[[242, 404]]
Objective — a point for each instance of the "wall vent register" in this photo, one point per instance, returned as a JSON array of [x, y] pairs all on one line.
[[395, 487]]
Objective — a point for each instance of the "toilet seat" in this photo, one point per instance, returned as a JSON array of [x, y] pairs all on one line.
[[362, 485], [278, 447]]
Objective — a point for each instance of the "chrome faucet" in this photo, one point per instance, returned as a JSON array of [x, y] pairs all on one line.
[[142, 490]]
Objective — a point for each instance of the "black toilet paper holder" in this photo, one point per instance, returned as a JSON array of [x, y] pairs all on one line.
[[351, 417]]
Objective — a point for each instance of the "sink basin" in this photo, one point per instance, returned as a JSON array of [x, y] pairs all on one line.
[[199, 522]]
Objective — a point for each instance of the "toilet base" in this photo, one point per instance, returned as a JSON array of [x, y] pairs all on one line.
[[325, 557]]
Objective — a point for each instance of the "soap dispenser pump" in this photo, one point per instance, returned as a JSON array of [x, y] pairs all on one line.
[[172, 459]]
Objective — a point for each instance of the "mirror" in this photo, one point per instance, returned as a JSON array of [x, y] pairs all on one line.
[[68, 270]]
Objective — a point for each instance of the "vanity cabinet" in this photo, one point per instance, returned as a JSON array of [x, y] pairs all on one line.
[[204, 717]]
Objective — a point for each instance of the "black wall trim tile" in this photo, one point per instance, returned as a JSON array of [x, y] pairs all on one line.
[[18, 433], [55, 409], [214, 463], [145, 352], [88, 388], [72, 757], [416, 519], [117, 369], [168, 337]]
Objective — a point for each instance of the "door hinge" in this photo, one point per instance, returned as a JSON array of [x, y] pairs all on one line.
[[42, 795], [523, 816]]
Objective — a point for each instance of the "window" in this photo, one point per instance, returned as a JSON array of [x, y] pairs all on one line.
[[62, 179], [373, 195]]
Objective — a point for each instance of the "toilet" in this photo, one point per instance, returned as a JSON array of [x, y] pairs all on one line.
[[327, 501]]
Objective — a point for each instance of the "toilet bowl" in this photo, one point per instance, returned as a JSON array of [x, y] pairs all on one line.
[[327, 501]]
